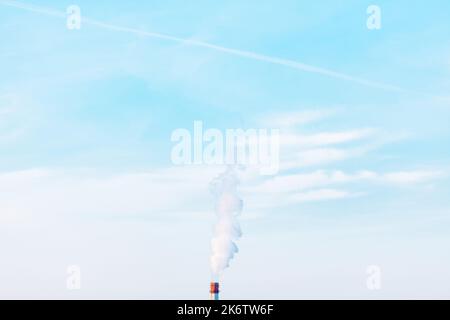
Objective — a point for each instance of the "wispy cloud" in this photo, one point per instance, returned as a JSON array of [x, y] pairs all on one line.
[[302, 147], [288, 120], [44, 194], [298, 182], [321, 156], [291, 183], [317, 186], [40, 195], [412, 177], [321, 195], [325, 138]]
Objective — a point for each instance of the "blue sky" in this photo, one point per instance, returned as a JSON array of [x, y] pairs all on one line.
[[85, 172]]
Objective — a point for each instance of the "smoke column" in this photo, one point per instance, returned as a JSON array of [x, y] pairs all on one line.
[[227, 230]]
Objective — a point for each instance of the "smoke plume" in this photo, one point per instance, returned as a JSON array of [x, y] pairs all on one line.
[[227, 230]]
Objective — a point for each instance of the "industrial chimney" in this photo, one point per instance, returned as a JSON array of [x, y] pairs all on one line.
[[214, 290]]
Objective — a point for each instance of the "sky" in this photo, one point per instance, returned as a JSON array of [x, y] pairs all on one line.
[[86, 177]]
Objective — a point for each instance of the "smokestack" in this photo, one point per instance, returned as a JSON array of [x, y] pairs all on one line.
[[214, 290]]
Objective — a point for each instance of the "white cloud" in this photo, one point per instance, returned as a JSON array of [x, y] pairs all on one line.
[[293, 119], [324, 185], [40, 195], [412, 177], [301, 149], [321, 195], [303, 181], [325, 138], [320, 178], [320, 156], [262, 202]]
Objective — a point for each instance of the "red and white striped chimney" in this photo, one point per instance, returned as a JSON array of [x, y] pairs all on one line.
[[214, 290]]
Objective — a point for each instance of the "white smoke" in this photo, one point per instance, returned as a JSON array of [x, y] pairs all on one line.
[[227, 230]]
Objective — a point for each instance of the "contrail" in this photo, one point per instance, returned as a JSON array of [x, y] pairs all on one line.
[[33, 8], [241, 53]]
